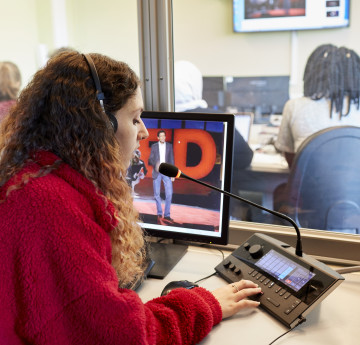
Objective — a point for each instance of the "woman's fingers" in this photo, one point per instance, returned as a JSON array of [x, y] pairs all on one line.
[[233, 297]]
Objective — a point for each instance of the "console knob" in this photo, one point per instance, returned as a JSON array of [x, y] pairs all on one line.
[[226, 263], [256, 251], [237, 270], [247, 245]]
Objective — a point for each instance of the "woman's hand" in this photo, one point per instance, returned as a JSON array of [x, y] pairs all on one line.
[[233, 297]]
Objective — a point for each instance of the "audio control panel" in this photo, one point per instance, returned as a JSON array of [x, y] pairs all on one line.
[[292, 285]]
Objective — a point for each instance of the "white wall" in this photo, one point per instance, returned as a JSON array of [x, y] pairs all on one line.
[[19, 35], [108, 27], [202, 33]]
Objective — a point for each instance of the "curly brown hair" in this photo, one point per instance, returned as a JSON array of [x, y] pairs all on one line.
[[59, 112]]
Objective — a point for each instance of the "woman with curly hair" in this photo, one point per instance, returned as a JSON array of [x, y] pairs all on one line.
[[70, 243]]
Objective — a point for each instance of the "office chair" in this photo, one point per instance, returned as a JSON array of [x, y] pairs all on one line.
[[323, 190]]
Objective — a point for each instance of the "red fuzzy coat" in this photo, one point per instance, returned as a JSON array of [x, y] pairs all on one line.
[[57, 284]]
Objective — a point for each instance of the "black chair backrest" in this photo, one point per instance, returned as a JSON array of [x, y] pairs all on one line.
[[323, 189]]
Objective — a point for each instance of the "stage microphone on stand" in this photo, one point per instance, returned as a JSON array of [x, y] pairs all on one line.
[[172, 171]]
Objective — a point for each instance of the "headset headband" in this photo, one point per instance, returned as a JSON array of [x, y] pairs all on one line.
[[99, 94]]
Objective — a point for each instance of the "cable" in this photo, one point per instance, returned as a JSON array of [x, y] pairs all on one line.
[[199, 280], [212, 274], [222, 253], [301, 320], [350, 269]]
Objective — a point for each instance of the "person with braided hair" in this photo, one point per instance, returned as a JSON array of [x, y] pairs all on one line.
[[331, 98]]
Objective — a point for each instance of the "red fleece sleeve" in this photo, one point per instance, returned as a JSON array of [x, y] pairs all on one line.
[[196, 312]]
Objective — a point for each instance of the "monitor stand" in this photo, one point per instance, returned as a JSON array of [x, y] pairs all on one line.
[[165, 256]]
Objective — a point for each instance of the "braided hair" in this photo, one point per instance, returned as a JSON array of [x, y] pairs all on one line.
[[333, 73], [350, 63]]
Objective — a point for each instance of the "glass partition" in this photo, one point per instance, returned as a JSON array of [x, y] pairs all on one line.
[[258, 73]]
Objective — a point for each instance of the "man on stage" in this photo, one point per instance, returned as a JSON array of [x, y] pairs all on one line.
[[162, 152]]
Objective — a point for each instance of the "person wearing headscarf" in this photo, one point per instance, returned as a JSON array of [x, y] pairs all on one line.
[[188, 98]]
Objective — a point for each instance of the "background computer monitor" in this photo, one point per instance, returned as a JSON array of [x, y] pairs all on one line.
[[243, 123], [261, 95], [202, 145]]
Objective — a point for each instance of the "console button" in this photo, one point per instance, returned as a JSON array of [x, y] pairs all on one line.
[[273, 302], [287, 295], [247, 245], [282, 292]]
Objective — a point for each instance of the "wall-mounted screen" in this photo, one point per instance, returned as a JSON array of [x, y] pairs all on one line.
[[276, 15]]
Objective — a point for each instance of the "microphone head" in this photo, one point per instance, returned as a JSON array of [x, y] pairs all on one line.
[[168, 170]]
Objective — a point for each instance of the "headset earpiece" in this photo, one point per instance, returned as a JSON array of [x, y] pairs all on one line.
[[113, 121], [99, 94]]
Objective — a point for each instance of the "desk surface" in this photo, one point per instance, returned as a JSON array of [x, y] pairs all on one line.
[[266, 159], [335, 321]]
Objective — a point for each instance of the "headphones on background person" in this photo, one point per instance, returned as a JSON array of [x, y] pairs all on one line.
[[99, 94]]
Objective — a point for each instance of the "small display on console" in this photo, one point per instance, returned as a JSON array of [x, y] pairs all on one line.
[[285, 270]]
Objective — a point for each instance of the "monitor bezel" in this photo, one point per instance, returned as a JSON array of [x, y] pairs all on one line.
[[218, 117]]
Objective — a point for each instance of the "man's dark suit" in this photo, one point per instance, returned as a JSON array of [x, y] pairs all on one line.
[[154, 161]]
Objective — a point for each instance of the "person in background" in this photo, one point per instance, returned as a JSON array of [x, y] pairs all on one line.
[[188, 98], [70, 240], [60, 50], [136, 172], [331, 98], [10, 83]]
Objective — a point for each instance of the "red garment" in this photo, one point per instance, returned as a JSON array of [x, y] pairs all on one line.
[[57, 283]]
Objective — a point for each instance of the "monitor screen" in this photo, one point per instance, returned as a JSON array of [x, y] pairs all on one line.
[[243, 123], [200, 145], [275, 15], [260, 95], [213, 92]]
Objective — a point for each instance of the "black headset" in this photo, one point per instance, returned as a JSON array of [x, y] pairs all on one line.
[[99, 94]]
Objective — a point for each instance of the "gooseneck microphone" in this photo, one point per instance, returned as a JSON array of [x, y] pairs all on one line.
[[172, 171]]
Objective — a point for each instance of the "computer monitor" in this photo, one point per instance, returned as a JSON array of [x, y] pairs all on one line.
[[261, 95], [243, 123], [202, 147], [214, 92]]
